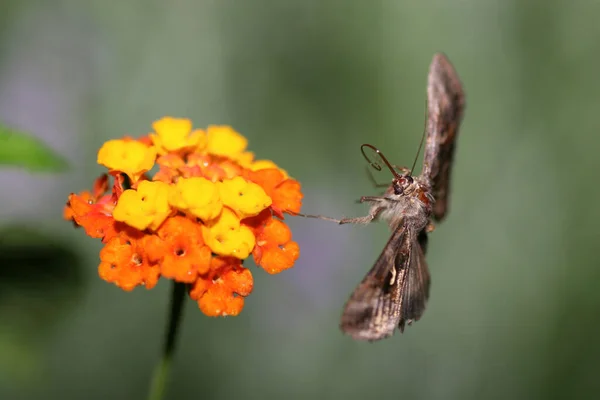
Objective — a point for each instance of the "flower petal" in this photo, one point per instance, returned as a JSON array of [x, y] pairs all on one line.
[[146, 207], [224, 141], [174, 134], [225, 236], [197, 196], [222, 291], [247, 199], [128, 156]]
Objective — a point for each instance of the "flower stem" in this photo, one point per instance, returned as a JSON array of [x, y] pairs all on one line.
[[161, 373]]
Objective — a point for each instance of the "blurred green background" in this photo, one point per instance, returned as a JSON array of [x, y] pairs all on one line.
[[515, 306]]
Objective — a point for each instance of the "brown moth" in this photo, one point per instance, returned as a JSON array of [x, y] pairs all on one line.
[[395, 291]]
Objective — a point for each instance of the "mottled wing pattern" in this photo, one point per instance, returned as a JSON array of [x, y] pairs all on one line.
[[375, 307], [445, 107], [415, 291]]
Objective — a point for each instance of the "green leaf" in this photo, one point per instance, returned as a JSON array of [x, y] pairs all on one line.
[[23, 150]]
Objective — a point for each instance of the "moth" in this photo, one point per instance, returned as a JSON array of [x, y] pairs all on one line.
[[395, 291]]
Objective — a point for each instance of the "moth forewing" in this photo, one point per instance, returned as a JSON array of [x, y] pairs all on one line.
[[374, 309], [445, 108]]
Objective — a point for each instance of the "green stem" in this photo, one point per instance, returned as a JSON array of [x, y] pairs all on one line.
[[161, 373]]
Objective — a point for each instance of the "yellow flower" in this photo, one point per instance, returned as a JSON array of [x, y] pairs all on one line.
[[245, 159], [146, 207], [128, 156], [224, 141], [266, 164], [247, 199], [198, 196], [176, 134], [225, 236]]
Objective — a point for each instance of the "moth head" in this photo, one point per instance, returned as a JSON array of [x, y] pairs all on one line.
[[401, 183]]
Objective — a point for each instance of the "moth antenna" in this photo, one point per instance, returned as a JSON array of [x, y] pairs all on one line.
[[375, 165], [420, 144]]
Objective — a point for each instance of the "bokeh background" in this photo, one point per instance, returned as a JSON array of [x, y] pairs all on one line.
[[515, 306]]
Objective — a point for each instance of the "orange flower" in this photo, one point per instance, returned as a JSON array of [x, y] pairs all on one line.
[[144, 139], [195, 166], [124, 262], [274, 251], [213, 168], [183, 252], [208, 206], [285, 193], [168, 168], [221, 292], [82, 202], [99, 189], [94, 218]]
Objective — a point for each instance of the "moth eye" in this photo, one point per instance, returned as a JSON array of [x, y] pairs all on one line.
[[398, 189], [409, 179]]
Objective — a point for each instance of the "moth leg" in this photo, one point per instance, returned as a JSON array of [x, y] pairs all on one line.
[[375, 199], [337, 221], [357, 220], [373, 212], [374, 181]]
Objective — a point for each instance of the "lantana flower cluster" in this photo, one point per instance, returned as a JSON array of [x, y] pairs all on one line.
[[208, 206]]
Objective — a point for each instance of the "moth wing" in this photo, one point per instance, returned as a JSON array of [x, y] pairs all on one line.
[[445, 108], [416, 286], [374, 309]]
